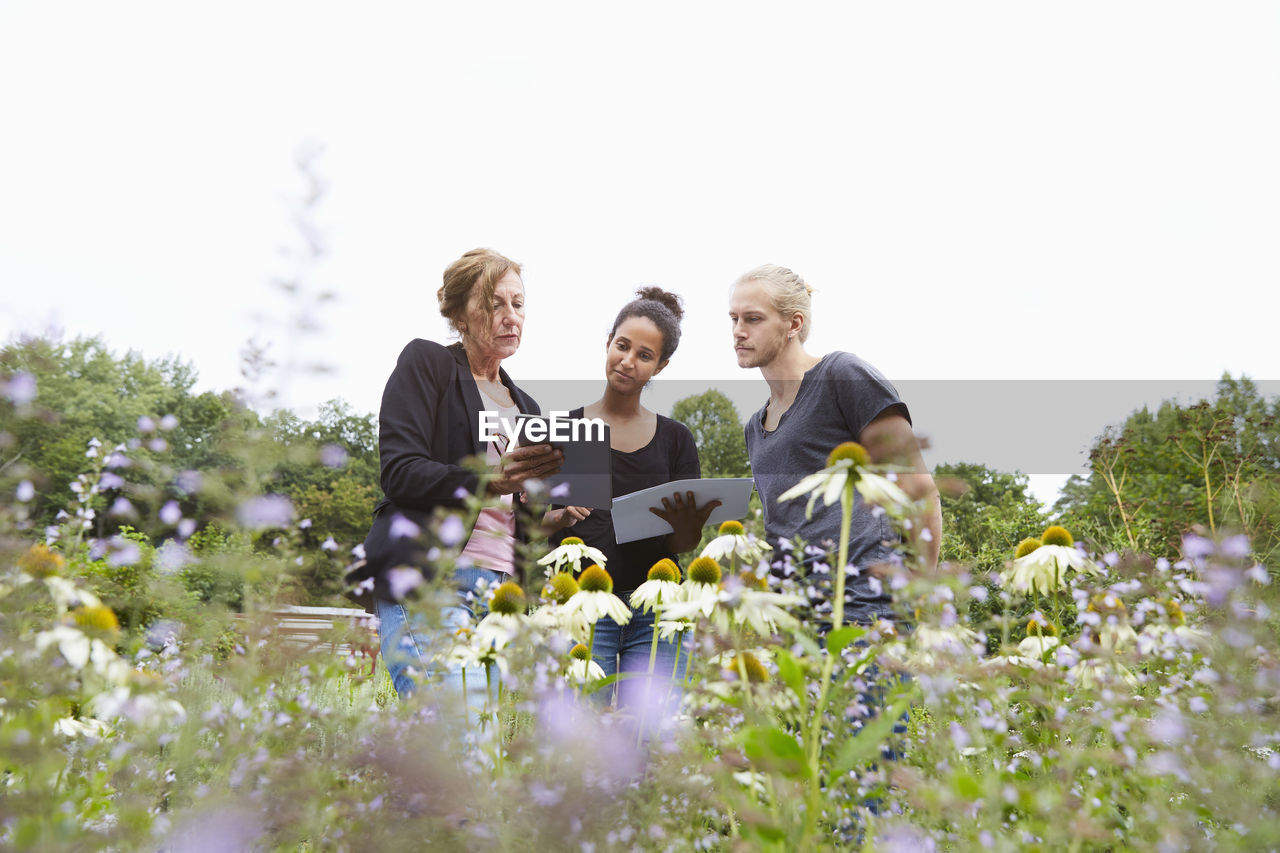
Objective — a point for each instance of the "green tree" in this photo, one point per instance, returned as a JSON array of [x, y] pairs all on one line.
[[1213, 464], [985, 514], [713, 420]]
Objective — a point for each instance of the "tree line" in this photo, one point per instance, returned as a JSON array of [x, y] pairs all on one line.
[[1213, 465]]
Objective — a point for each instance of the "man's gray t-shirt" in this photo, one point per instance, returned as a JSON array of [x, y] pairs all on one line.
[[837, 398]]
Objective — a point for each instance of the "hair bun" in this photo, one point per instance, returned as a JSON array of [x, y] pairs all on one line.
[[665, 297]]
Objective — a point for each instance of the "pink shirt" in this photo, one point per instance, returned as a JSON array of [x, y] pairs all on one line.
[[492, 542]]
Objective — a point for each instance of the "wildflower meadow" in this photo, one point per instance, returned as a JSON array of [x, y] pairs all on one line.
[[1103, 677]]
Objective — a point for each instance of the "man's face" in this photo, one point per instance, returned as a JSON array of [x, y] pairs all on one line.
[[759, 330]]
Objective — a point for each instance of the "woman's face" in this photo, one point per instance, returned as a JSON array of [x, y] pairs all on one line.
[[497, 336], [633, 356]]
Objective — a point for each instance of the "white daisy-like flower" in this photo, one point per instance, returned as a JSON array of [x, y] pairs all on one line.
[[595, 598], [496, 630], [1043, 564], [556, 619], [663, 585], [848, 463], [569, 553], [734, 541], [505, 619], [81, 727], [582, 668], [746, 601]]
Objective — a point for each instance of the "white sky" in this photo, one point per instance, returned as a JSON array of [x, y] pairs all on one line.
[[979, 191]]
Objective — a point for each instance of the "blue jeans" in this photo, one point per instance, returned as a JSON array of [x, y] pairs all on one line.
[[626, 649], [409, 644]]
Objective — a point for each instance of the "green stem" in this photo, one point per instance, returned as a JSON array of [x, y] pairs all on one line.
[[828, 665]]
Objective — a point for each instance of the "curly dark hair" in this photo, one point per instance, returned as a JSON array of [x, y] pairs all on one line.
[[663, 307]]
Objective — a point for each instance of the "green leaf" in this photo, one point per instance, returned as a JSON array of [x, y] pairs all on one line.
[[867, 742], [837, 640], [772, 749], [791, 674]]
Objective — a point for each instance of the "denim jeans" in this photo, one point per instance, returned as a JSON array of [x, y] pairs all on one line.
[[409, 644], [626, 649]]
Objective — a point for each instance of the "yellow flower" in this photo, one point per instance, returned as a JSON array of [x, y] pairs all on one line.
[[40, 561]]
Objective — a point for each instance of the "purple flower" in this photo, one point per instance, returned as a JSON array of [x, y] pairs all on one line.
[[560, 491], [403, 528], [170, 513], [1221, 581], [358, 551], [110, 481], [460, 493], [402, 579], [329, 545], [146, 424], [123, 552], [158, 445], [1236, 546], [333, 456], [305, 524], [1196, 547], [186, 527], [451, 530], [264, 512], [25, 491], [116, 460], [190, 481], [21, 388], [122, 508], [172, 556], [168, 422]]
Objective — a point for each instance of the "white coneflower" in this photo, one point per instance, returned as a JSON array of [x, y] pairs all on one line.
[[734, 541], [848, 463], [595, 598], [581, 667], [748, 602], [505, 618], [662, 586], [568, 553], [701, 591], [1042, 565]]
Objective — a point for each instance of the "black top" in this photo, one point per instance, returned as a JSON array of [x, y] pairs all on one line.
[[670, 455], [428, 424]]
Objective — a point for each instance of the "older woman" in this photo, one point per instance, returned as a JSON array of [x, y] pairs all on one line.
[[428, 425]]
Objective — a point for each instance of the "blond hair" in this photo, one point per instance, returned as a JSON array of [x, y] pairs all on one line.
[[787, 291], [483, 267]]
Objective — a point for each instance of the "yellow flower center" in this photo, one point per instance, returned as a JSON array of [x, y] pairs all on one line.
[[39, 561], [1056, 535], [752, 581], [1041, 627], [98, 617], [595, 579], [1026, 546], [508, 598], [1174, 610], [561, 587], [851, 450], [580, 652], [756, 673], [732, 528], [704, 570], [571, 540], [664, 570]]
